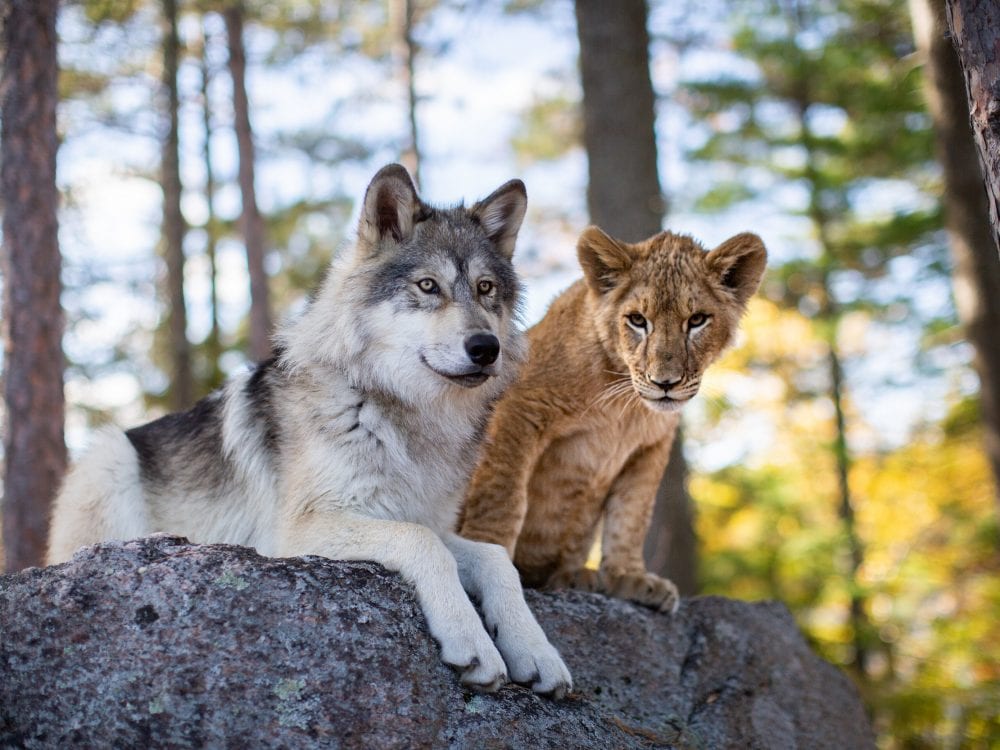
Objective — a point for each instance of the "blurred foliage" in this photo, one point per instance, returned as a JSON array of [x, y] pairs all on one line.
[[925, 512], [828, 123], [548, 129]]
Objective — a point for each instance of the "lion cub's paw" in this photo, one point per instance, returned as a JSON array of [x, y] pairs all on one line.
[[584, 579], [644, 588], [477, 660]]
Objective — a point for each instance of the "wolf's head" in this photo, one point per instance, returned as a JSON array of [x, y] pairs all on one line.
[[426, 301]]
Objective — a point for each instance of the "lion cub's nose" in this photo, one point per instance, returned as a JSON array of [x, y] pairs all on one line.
[[667, 384], [482, 348]]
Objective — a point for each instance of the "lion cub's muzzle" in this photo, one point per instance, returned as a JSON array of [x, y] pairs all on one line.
[[668, 394]]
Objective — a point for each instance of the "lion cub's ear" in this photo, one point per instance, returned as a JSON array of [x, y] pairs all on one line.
[[602, 258], [739, 264]]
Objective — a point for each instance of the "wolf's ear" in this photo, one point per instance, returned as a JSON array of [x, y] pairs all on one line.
[[390, 205], [602, 258], [501, 214], [739, 264]]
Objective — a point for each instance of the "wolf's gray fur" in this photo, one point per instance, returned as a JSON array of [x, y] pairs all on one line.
[[357, 439]]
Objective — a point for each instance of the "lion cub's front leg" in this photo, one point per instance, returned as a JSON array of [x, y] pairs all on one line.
[[627, 512], [626, 522]]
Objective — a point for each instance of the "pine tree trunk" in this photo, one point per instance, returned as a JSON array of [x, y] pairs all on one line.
[[860, 624], [34, 449], [623, 189], [251, 221], [967, 217], [174, 226], [213, 345], [975, 30], [410, 158], [828, 318], [624, 198]]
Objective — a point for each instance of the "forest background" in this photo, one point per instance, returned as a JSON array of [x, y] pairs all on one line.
[[841, 459]]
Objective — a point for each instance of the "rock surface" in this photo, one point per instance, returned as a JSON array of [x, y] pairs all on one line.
[[160, 643]]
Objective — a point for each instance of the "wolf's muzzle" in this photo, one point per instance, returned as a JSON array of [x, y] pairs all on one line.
[[482, 348]]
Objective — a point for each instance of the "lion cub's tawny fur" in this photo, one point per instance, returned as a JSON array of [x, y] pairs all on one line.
[[586, 432]]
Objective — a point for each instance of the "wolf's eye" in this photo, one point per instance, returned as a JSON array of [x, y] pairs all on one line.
[[697, 321], [428, 286], [485, 286], [637, 320]]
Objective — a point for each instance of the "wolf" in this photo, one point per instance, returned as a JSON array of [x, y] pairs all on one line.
[[357, 439]]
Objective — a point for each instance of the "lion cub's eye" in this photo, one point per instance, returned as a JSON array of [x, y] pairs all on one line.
[[485, 286], [428, 286], [637, 320], [697, 321]]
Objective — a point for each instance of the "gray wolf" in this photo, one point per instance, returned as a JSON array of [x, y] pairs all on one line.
[[356, 441]]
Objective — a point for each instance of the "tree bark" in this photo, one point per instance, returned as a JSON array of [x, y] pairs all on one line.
[[624, 198], [828, 319], [34, 449], [174, 226], [976, 276], [251, 221], [213, 344], [975, 31], [410, 158], [623, 189], [861, 628]]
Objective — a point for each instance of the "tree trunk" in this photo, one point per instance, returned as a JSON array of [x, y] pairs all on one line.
[[623, 189], [860, 624], [213, 344], [410, 157], [251, 222], [174, 226], [828, 319], [967, 217], [34, 449], [975, 30], [624, 199]]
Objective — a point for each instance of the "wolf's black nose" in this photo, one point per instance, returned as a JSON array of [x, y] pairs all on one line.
[[482, 348]]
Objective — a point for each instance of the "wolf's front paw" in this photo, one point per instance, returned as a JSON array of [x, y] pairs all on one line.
[[476, 659], [542, 669], [580, 578], [641, 587], [531, 659]]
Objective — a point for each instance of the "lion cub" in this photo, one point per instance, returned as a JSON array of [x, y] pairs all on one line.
[[586, 431]]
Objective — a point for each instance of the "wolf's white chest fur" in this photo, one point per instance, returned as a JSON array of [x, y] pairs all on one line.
[[401, 462]]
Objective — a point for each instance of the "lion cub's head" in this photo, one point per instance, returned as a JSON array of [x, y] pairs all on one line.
[[665, 308]]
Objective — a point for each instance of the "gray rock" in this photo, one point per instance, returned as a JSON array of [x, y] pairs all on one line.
[[161, 643]]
